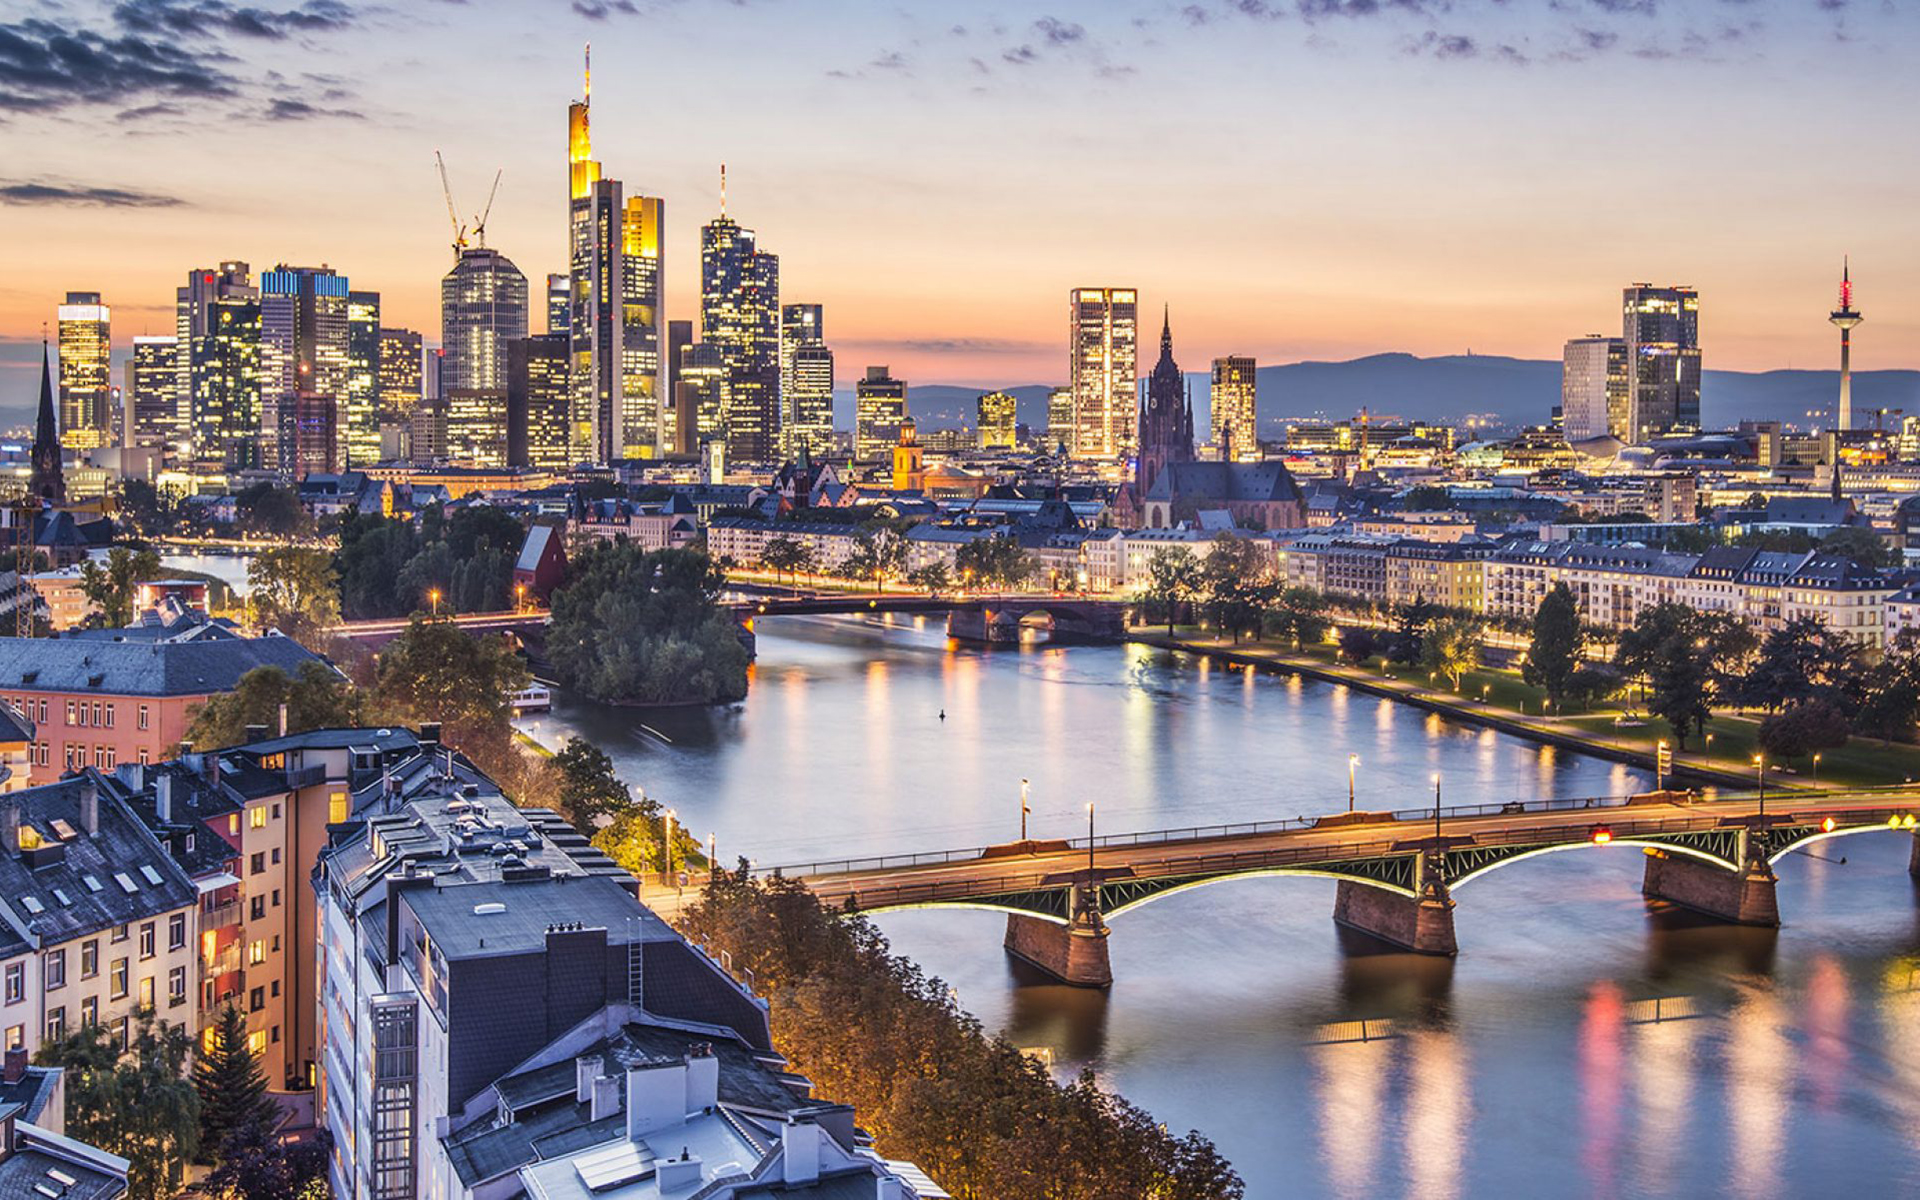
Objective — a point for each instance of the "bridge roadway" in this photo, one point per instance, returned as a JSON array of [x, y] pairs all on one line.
[[1396, 875]]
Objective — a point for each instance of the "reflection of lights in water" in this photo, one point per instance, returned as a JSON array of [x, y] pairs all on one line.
[[1826, 1059], [1602, 1084], [1438, 1110], [1899, 1006], [1383, 715], [1759, 1082], [1662, 1061], [1352, 1078]]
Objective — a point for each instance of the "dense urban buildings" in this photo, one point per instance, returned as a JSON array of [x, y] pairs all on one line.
[[1102, 364], [361, 410], [537, 399], [806, 381], [218, 355], [152, 394], [303, 369], [1233, 415], [86, 372], [997, 418], [402, 353]]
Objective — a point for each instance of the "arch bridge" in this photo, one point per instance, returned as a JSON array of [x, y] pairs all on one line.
[[1397, 872]]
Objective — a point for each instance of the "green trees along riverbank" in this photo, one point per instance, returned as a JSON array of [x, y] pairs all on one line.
[[645, 627]]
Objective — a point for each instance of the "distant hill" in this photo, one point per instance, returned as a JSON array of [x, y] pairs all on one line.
[[1511, 391]]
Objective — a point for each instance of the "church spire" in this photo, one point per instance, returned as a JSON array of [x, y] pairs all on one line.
[[47, 482], [1166, 331]]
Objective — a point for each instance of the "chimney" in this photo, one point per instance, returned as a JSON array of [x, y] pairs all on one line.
[[256, 733], [90, 808], [656, 1098], [16, 1065], [703, 1078], [430, 734], [800, 1151], [10, 827], [283, 720], [163, 798], [672, 1174], [586, 1069], [605, 1098]]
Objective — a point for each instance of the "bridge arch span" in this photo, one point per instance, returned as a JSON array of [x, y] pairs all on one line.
[[1188, 885], [1822, 835], [1010, 910], [1460, 881]]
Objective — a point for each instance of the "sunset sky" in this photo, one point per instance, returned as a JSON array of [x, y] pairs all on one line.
[[1297, 178]]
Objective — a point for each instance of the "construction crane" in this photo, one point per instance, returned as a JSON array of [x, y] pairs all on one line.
[[480, 222], [453, 215]]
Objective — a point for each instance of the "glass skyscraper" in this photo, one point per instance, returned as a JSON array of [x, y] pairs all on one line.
[[879, 407], [996, 413], [1593, 389], [740, 319], [363, 378], [86, 372], [806, 380], [303, 369], [1232, 409], [1661, 330], [217, 329], [643, 383], [1102, 371], [150, 395], [537, 403]]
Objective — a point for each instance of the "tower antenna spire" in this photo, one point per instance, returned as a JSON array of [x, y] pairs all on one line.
[[723, 189], [586, 77]]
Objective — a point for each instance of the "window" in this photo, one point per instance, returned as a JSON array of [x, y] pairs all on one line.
[[90, 958], [276, 810], [176, 987], [146, 991], [16, 982], [276, 897], [56, 1023], [117, 980], [233, 824], [120, 932], [96, 714], [143, 716], [143, 758], [146, 940], [177, 929], [70, 719], [276, 856], [257, 908], [90, 1011], [337, 808], [257, 817], [256, 864], [16, 1036], [256, 999], [56, 969], [43, 712], [273, 989], [257, 1042], [256, 953], [109, 716]]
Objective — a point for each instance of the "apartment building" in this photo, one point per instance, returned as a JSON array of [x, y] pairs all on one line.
[[97, 921], [99, 698]]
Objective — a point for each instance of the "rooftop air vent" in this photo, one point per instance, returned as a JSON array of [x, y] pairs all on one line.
[[490, 909]]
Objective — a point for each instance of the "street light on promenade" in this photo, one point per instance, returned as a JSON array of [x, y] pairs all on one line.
[[1436, 805], [1024, 810], [1089, 843], [1353, 760], [433, 598], [1760, 769]]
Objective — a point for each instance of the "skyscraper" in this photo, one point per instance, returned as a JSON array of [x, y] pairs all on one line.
[[86, 372], [879, 407], [537, 391], [401, 351], [558, 320], [361, 411], [217, 329], [615, 307], [1166, 416], [1661, 330], [1844, 319], [700, 396], [996, 413], [1233, 409], [806, 380], [151, 392], [1102, 371], [681, 419], [483, 307], [1060, 419], [740, 317], [303, 369], [1593, 388]]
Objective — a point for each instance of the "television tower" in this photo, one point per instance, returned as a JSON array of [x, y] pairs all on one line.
[[1845, 318]]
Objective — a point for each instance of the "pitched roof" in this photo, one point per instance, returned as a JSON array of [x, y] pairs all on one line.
[[1255, 482], [187, 668]]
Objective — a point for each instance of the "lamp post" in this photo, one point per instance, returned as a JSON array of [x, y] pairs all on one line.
[[1659, 757], [1816, 770], [1089, 843], [1024, 810], [1353, 760], [1436, 806], [433, 598], [713, 859], [520, 596], [666, 851], [1760, 769]]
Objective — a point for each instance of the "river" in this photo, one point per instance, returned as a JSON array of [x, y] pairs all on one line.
[[1577, 1047]]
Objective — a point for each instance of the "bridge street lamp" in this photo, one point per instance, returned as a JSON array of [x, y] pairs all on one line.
[[1760, 769], [1353, 760], [1089, 843], [1436, 809], [1024, 810]]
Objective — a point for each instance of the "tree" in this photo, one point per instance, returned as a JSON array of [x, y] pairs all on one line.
[[1805, 660], [1892, 704], [1428, 498], [137, 1103], [293, 589], [374, 550], [995, 561], [1173, 579], [231, 1086], [647, 628], [1861, 544], [111, 589], [1298, 614], [1687, 659], [1409, 632], [589, 789], [1559, 641], [1451, 647], [435, 671], [254, 1165], [1802, 728], [934, 576], [318, 697], [781, 555], [1358, 644], [879, 553], [269, 511], [1235, 581]]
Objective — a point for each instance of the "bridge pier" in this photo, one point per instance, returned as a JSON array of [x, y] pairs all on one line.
[[1745, 897], [1913, 858], [1074, 953], [1422, 923]]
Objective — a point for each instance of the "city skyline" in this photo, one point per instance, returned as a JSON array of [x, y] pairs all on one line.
[[1498, 256]]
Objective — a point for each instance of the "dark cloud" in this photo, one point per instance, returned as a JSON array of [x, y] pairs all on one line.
[[600, 10], [1056, 32], [147, 52], [283, 108], [76, 193]]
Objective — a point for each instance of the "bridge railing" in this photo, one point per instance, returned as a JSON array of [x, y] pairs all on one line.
[[1410, 817]]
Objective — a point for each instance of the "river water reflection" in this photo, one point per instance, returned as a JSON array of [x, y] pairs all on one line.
[[1577, 1047]]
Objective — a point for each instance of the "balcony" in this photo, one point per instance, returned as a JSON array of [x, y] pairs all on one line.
[[225, 962], [220, 916], [306, 777]]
